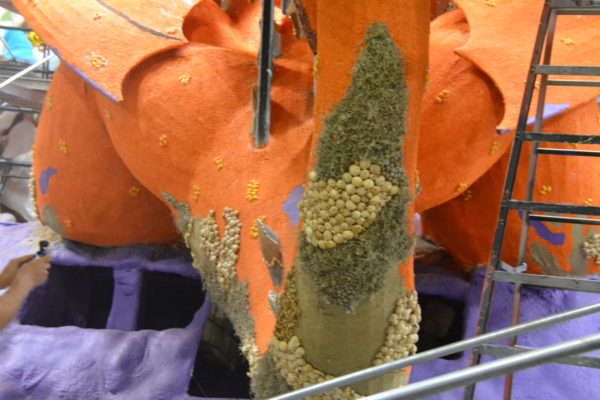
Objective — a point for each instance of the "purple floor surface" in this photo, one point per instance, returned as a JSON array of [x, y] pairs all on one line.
[[73, 362], [48, 361], [546, 382]]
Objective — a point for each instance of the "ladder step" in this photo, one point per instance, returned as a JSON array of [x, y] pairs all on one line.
[[495, 350], [16, 177], [558, 137], [578, 11], [568, 152], [14, 163], [567, 70], [566, 220], [546, 281], [551, 207], [567, 82], [574, 4]]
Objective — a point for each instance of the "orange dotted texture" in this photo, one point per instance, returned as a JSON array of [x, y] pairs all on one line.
[[466, 228], [489, 94], [501, 43], [212, 116], [456, 136], [480, 55], [339, 30], [90, 192], [209, 116], [122, 32]]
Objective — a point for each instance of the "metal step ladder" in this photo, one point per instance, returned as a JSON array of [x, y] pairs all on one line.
[[498, 271]]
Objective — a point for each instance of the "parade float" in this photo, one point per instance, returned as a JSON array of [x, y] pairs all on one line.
[[177, 239]]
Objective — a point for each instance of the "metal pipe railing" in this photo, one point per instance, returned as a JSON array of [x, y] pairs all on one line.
[[490, 370], [20, 109], [14, 163], [27, 70], [439, 352]]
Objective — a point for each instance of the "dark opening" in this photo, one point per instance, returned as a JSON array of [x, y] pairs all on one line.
[[442, 323], [168, 300], [220, 370], [79, 296]]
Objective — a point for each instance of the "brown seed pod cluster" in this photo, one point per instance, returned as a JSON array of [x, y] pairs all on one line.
[[289, 359], [222, 254], [335, 211], [401, 333], [287, 309], [591, 247]]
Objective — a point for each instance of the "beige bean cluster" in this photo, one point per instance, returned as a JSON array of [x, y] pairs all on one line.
[[289, 358], [222, 254], [334, 212], [401, 333], [591, 247], [32, 193]]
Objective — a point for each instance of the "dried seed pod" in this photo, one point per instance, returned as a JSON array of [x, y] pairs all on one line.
[[357, 229], [357, 181]]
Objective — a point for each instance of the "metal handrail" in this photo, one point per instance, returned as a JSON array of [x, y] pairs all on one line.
[[439, 352], [25, 71], [490, 370], [14, 163]]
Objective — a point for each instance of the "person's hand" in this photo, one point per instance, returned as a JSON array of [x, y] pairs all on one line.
[[33, 273], [10, 271]]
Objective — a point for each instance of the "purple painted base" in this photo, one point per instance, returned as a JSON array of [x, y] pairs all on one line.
[[546, 382], [71, 363]]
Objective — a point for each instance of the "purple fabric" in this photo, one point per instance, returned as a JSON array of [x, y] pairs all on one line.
[[83, 364], [45, 178], [125, 298], [543, 232], [72, 363], [551, 381], [546, 234], [290, 207], [550, 110]]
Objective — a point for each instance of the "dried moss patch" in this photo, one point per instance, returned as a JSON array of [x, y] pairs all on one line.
[[182, 219], [368, 124]]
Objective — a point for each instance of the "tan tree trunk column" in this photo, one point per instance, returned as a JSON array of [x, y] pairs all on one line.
[[350, 302]]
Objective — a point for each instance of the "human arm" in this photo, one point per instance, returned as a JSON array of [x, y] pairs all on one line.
[[10, 271], [33, 273]]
